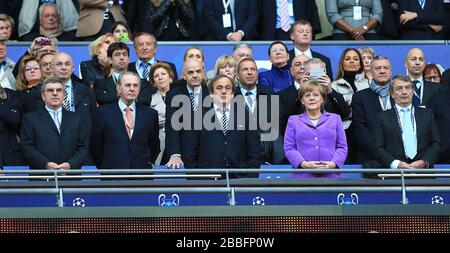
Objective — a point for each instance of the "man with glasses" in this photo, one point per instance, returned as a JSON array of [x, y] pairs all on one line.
[[54, 138], [45, 62]]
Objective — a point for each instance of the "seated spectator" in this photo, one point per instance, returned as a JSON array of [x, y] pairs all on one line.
[[240, 51], [431, 73], [406, 137], [315, 138], [121, 32], [367, 55], [225, 65], [97, 17], [6, 26], [97, 67], [161, 77], [421, 20], [235, 21], [7, 76], [50, 25], [28, 21], [27, 83], [279, 77], [169, 19], [354, 20], [45, 62]]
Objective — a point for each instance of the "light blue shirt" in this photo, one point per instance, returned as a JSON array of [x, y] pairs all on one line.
[[140, 67], [291, 18], [58, 117]]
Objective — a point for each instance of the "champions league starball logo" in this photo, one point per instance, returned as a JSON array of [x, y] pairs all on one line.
[[163, 201], [78, 202], [258, 201], [437, 200], [343, 200]]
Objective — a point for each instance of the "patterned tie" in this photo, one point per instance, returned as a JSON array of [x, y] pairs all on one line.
[[194, 105], [56, 120], [249, 104], [416, 97], [66, 102], [224, 122], [129, 121], [284, 15], [146, 71], [408, 133]]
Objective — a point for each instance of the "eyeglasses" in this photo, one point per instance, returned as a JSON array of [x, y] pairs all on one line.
[[35, 68], [59, 90]]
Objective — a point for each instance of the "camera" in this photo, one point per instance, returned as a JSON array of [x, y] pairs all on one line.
[[45, 41]]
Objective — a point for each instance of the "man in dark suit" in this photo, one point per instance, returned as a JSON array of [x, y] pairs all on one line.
[[289, 101], [390, 24], [52, 137], [258, 102], [10, 116], [125, 134], [145, 46], [421, 20], [269, 25], [135, 14], [406, 136], [423, 90], [301, 34], [439, 104], [236, 22], [77, 96], [106, 89], [192, 93], [225, 139], [366, 104]]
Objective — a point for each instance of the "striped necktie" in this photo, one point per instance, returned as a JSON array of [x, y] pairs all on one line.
[[192, 96], [224, 121], [146, 71], [284, 15], [416, 96], [66, 102]]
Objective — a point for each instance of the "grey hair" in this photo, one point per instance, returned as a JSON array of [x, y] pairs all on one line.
[[242, 45], [41, 8], [51, 79], [125, 73], [314, 61], [403, 78]]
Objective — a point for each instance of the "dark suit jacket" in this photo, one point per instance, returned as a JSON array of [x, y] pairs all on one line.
[[91, 71], [439, 104], [135, 14], [389, 143], [365, 106], [110, 146], [41, 143], [418, 29], [429, 89], [291, 105], [390, 24], [106, 91], [132, 68], [175, 140], [305, 9], [10, 116], [239, 148], [315, 55], [65, 36], [246, 17]]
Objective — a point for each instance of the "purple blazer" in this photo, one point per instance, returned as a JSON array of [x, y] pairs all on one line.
[[325, 142]]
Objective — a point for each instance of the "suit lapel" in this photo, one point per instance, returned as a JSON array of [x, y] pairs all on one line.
[[45, 116], [137, 121], [118, 115], [65, 120]]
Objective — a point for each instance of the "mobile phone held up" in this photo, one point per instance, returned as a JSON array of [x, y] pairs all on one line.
[[315, 73]]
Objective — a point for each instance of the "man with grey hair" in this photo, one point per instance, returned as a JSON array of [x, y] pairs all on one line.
[[7, 79], [125, 134], [6, 26], [50, 25], [52, 137]]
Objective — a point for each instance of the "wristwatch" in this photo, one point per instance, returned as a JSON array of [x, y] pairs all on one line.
[[365, 28]]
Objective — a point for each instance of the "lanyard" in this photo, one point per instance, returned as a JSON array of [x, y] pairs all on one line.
[[399, 121], [226, 3]]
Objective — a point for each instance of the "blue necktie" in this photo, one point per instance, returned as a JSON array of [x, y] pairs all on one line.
[[146, 67], [192, 96], [416, 97], [67, 103], [224, 122], [409, 138], [249, 105]]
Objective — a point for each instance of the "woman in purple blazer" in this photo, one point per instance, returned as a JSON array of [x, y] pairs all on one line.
[[315, 138]]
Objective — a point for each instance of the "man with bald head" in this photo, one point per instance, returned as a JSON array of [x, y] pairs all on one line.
[[194, 91], [77, 96], [423, 90]]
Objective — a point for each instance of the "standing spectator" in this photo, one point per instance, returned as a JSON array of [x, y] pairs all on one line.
[[97, 17], [390, 23], [28, 21], [28, 83], [62, 142], [421, 20], [302, 36], [423, 90], [135, 14], [97, 67], [6, 26], [431, 73], [315, 138], [121, 32], [125, 133], [201, 30], [170, 20], [231, 20], [367, 55], [277, 16], [7, 79], [279, 77], [161, 77], [354, 19], [50, 25]]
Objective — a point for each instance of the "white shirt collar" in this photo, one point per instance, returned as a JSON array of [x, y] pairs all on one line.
[[253, 91], [123, 106], [50, 110], [307, 52], [196, 91], [297, 85], [420, 79], [400, 107]]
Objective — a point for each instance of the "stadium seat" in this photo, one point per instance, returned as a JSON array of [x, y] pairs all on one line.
[[353, 175], [93, 168], [16, 168], [275, 174], [442, 166]]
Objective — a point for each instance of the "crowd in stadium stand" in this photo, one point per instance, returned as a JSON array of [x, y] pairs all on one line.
[[124, 114]]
